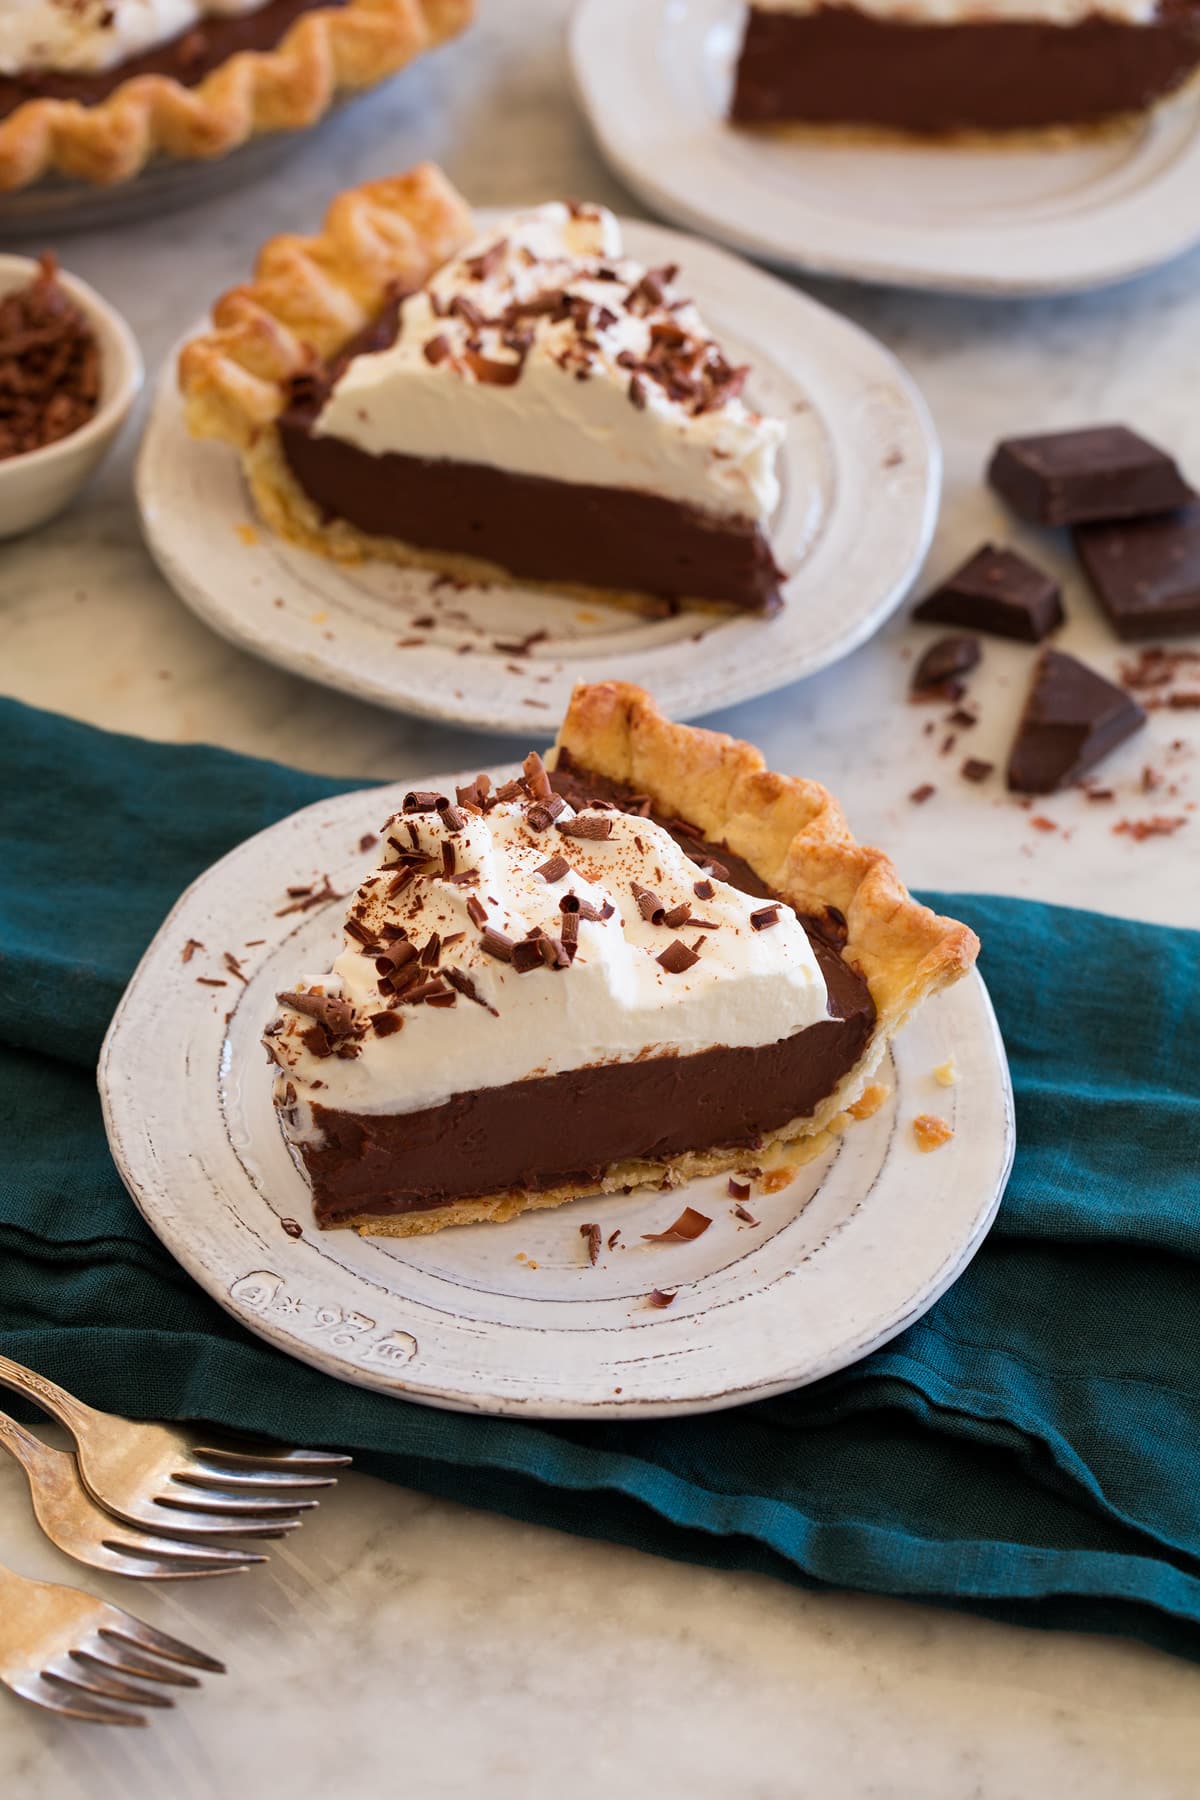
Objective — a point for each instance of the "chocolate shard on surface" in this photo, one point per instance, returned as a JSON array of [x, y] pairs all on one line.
[[1073, 477], [1072, 718], [997, 591], [689, 1225], [1146, 573], [942, 665]]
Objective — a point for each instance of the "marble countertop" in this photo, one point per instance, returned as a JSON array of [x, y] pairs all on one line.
[[404, 1645]]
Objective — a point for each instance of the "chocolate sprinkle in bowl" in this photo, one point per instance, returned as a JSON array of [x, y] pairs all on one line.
[[70, 370]]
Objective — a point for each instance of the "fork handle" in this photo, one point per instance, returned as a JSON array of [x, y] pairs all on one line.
[[47, 1394], [35, 1458]]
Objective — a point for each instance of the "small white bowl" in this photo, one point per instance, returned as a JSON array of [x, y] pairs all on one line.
[[38, 483]]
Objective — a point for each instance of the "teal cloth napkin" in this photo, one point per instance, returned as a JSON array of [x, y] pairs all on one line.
[[1028, 1450]]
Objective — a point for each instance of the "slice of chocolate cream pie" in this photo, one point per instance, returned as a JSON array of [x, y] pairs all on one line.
[[632, 965], [526, 404]]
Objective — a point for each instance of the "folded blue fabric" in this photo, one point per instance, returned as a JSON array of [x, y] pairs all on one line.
[[1030, 1449]]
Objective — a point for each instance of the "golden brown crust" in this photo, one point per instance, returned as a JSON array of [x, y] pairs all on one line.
[[795, 836], [309, 296], [791, 831], [325, 52]]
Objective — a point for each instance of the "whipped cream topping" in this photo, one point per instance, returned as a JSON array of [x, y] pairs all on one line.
[[981, 12], [544, 351], [615, 1002], [84, 37]]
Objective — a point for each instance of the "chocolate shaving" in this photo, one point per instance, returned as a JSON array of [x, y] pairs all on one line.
[[190, 949], [741, 1212], [449, 859], [921, 794], [678, 915], [738, 1190], [553, 951], [453, 818], [677, 957], [233, 965], [656, 1297], [465, 986], [310, 898], [592, 1234], [703, 890], [612, 1238], [423, 992], [333, 1014], [542, 814], [359, 933], [436, 349], [534, 771], [210, 981], [422, 802], [976, 770], [476, 910], [431, 951], [527, 954], [764, 917], [490, 372], [480, 267], [512, 790], [495, 943], [554, 868], [386, 1023], [649, 904], [293, 1227], [586, 826], [570, 931]]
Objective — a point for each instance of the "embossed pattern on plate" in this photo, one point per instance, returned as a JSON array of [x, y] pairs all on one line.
[[513, 1318], [654, 78], [861, 476]]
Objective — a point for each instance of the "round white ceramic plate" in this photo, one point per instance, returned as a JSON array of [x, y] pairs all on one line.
[[654, 77], [512, 1318], [861, 476]]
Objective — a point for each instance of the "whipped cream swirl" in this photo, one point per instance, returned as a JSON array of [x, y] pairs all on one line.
[[544, 351], [85, 37]]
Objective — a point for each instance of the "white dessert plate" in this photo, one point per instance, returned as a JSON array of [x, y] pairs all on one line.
[[512, 1318], [654, 77], [861, 476]]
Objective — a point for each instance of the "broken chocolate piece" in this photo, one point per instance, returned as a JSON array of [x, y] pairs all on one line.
[[689, 1225], [1146, 574], [975, 769], [944, 660], [1071, 477], [1072, 718], [998, 591]]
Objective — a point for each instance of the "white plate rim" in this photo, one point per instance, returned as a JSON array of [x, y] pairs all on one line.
[[145, 1169], [727, 660], [1166, 233]]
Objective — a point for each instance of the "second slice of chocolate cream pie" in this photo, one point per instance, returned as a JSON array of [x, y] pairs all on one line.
[[633, 965], [525, 405]]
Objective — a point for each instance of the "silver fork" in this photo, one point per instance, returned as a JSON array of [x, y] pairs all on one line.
[[166, 1478], [73, 1654], [71, 1519]]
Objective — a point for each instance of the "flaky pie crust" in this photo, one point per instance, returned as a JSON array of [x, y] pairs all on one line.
[[310, 296], [794, 835], [325, 52]]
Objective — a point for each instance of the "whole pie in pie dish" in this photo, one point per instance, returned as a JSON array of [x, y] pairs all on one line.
[[523, 404], [955, 67], [636, 963], [94, 88]]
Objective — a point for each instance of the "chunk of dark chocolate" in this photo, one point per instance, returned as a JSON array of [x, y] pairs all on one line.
[[936, 675], [1146, 573], [1072, 718], [998, 591], [1071, 477]]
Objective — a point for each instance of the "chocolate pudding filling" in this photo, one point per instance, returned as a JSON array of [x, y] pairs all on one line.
[[187, 58], [565, 1130], [536, 529], [836, 65]]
